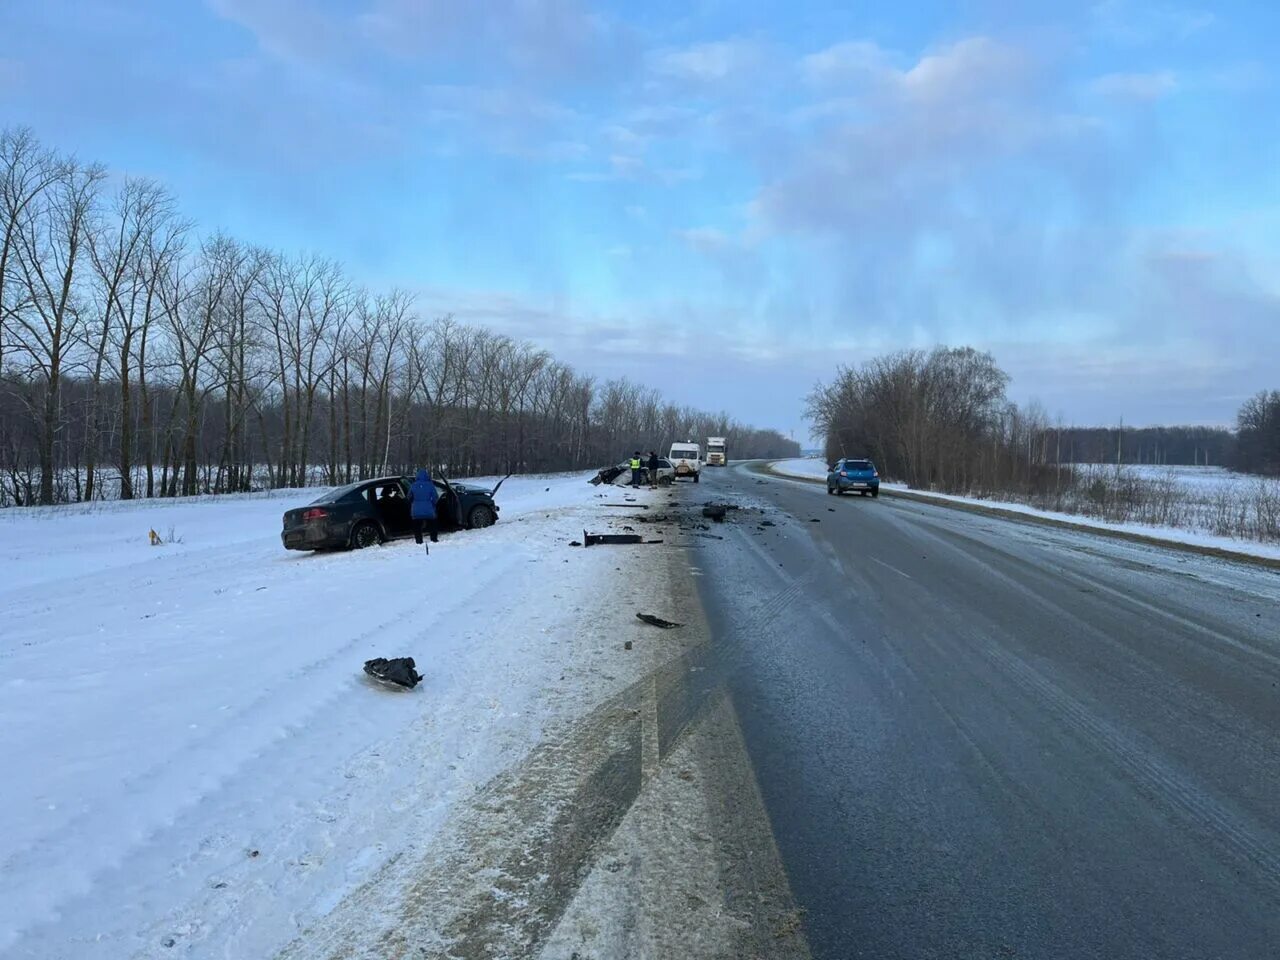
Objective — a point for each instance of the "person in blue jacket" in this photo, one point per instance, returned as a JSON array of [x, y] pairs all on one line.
[[422, 508]]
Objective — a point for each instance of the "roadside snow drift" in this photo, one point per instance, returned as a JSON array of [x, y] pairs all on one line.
[[806, 468], [194, 762], [1198, 485]]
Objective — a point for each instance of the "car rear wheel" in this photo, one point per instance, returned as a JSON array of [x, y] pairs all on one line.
[[664, 481], [366, 534], [875, 493], [481, 516]]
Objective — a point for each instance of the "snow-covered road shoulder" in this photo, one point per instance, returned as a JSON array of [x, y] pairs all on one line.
[[201, 768]]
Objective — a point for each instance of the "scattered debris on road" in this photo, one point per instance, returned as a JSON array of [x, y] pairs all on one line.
[[612, 539], [658, 621], [401, 671]]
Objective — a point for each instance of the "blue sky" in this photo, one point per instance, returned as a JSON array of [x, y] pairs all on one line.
[[729, 198]]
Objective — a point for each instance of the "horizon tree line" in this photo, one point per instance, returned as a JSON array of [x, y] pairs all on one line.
[[139, 358], [941, 419]]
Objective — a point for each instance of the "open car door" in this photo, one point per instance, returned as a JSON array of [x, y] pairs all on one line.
[[455, 502]]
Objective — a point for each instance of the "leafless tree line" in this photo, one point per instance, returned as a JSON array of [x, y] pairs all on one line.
[[936, 419], [140, 359], [1258, 434], [940, 420], [1187, 445]]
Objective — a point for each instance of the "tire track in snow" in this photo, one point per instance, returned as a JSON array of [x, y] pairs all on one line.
[[517, 857]]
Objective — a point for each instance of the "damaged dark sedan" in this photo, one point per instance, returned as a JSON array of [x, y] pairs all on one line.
[[375, 511]]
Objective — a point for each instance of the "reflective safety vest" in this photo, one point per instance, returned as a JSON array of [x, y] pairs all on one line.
[[635, 463]]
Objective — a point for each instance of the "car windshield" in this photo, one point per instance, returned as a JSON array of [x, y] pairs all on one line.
[[859, 465]]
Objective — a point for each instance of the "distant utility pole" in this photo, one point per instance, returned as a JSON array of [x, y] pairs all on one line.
[[1119, 441]]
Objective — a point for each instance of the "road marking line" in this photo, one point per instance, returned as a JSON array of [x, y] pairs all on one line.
[[893, 568]]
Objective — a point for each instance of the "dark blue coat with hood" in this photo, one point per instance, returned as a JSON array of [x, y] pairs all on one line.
[[422, 497]]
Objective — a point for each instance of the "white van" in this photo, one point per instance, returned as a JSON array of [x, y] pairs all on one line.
[[687, 458]]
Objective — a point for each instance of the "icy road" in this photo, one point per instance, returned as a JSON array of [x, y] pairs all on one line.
[[983, 738]]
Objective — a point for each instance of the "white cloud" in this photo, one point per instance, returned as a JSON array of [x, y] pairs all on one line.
[[852, 62], [290, 30], [719, 63], [545, 42], [1136, 86], [507, 120], [893, 155], [625, 167], [972, 68]]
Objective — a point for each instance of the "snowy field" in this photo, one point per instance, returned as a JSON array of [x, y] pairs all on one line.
[[806, 468], [194, 763], [1205, 500]]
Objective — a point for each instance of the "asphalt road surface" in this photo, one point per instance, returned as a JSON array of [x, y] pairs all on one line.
[[977, 738]]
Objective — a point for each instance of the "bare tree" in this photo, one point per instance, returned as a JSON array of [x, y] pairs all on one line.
[[125, 339], [50, 243], [27, 170]]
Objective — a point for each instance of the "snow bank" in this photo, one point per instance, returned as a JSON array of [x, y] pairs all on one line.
[[1169, 534], [806, 468], [190, 750]]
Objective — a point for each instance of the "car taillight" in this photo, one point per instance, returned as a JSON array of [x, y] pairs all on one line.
[[874, 474], [844, 473], [316, 514]]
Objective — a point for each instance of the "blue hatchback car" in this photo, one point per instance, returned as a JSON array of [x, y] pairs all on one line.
[[860, 476]]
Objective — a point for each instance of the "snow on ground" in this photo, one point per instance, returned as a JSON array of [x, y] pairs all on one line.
[[1189, 477], [807, 468], [1170, 534], [194, 763], [1199, 483]]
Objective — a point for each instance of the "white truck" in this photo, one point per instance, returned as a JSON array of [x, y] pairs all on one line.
[[687, 459], [717, 455]]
